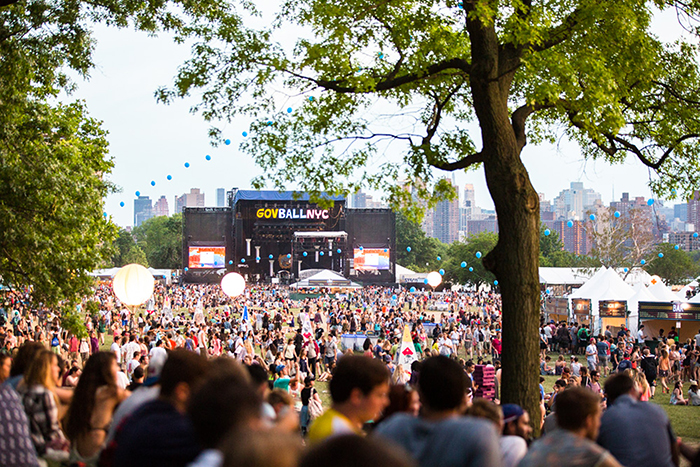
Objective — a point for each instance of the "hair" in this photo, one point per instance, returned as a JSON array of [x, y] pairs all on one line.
[[360, 372], [182, 366], [278, 396], [261, 448], [399, 401], [39, 371], [97, 373], [25, 356], [352, 451], [258, 374], [484, 408], [442, 384], [138, 373], [222, 404], [574, 406], [617, 385]]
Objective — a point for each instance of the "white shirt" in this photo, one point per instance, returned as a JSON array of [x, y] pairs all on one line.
[[641, 336], [117, 350], [157, 351], [591, 352]]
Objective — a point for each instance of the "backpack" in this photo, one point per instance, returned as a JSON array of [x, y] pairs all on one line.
[[624, 365], [55, 342]]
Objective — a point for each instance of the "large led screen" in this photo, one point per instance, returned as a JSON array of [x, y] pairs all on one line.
[[207, 257], [371, 259]]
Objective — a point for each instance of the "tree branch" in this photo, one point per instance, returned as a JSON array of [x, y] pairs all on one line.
[[463, 163], [519, 118], [559, 33], [7, 2]]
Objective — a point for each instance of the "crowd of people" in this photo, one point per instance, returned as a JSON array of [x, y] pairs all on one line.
[[195, 378]]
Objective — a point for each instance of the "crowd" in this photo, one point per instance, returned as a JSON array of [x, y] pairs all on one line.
[[194, 378]]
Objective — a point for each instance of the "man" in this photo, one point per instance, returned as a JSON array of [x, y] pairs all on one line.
[[445, 345], [592, 355], [359, 391], [594, 383], [516, 421], [159, 433], [637, 433], [441, 435], [578, 419], [650, 367], [603, 354], [641, 335], [697, 339]]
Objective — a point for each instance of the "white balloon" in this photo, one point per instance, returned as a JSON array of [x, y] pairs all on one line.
[[434, 279], [133, 284], [233, 284]]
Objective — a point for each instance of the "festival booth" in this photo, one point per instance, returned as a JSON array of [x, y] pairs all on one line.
[[612, 303], [556, 309], [641, 294], [585, 299], [685, 317], [330, 281], [581, 310]]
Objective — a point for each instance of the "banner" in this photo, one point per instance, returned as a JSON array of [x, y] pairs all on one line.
[[407, 353]]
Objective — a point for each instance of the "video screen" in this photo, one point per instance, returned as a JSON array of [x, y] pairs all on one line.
[[372, 259], [207, 257]]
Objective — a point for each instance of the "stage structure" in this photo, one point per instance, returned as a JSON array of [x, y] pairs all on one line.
[[271, 236]]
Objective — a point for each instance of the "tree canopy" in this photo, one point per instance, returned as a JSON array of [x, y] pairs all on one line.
[[160, 239], [674, 266]]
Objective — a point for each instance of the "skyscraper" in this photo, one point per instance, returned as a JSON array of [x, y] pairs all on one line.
[[220, 197], [575, 201], [446, 221], [143, 210], [694, 210], [194, 198], [161, 207]]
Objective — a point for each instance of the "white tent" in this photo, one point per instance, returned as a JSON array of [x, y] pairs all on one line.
[[402, 272], [681, 294], [662, 293], [635, 276], [641, 294], [610, 287], [695, 299], [591, 285], [326, 278], [564, 276]]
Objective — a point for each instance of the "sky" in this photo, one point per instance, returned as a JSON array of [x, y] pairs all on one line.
[[150, 140]]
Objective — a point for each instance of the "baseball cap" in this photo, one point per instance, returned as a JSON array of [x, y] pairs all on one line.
[[511, 412], [155, 368]]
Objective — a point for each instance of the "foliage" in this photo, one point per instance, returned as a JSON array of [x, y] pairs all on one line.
[[136, 256], [620, 242], [160, 238], [676, 267], [121, 246], [424, 250], [72, 322], [465, 251]]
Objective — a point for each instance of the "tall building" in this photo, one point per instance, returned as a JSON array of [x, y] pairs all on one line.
[[446, 221], [364, 200], [575, 201], [143, 210], [626, 204], [220, 197], [161, 207], [684, 240], [574, 238], [195, 198], [680, 211], [694, 210]]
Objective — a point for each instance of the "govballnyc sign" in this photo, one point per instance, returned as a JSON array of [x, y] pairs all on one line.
[[277, 213]]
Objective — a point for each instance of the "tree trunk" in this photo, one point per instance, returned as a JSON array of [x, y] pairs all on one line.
[[515, 259]]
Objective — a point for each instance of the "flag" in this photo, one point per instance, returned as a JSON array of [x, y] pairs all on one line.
[[245, 313], [407, 353]]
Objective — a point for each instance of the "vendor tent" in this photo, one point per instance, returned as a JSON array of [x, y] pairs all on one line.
[[662, 293], [326, 278], [591, 285], [583, 301], [641, 294]]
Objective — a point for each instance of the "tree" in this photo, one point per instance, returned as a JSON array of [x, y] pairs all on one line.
[[622, 241], [136, 256], [465, 251], [424, 250], [675, 267], [160, 238], [413, 77]]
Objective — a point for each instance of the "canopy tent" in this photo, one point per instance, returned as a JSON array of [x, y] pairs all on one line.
[[564, 276], [326, 278], [695, 299], [685, 317], [641, 294], [681, 294], [162, 274], [611, 309], [581, 300], [662, 293], [402, 272], [590, 286], [634, 276]]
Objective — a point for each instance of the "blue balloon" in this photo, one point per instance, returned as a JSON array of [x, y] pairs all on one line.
[[289, 110], [245, 134], [257, 258], [408, 248], [661, 255], [439, 258], [104, 214], [380, 55], [695, 235], [305, 254], [425, 281], [547, 232], [673, 190], [339, 251], [626, 269], [321, 253], [592, 217], [650, 202], [270, 256], [289, 255], [269, 123], [169, 177], [207, 157], [138, 193], [230, 261], [187, 165], [478, 254], [617, 214], [570, 224], [471, 269], [242, 260], [442, 272], [495, 282], [549, 291], [153, 183], [311, 98], [393, 297], [677, 247], [643, 262], [412, 290], [362, 248], [121, 204], [227, 142], [463, 264], [386, 251], [187, 269], [460, 5]]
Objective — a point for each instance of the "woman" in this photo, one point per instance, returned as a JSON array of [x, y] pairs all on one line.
[[559, 365], [677, 395], [402, 398], [308, 394], [289, 352], [96, 397], [304, 369], [664, 370], [41, 404], [543, 343], [693, 394]]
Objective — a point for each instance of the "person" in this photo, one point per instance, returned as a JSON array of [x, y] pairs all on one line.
[[440, 435], [264, 448], [592, 355], [16, 447], [649, 366], [578, 418], [402, 398], [513, 448], [24, 357], [5, 367], [41, 403], [664, 369], [307, 394], [677, 395], [359, 392], [159, 433], [641, 335], [603, 355], [516, 422], [693, 394], [626, 419], [351, 451], [90, 414]]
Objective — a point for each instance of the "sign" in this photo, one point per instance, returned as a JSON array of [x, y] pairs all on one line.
[[407, 354], [556, 306], [612, 308], [581, 306], [676, 311], [295, 213]]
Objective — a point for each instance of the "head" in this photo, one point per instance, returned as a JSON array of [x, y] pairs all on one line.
[[484, 408], [5, 367], [578, 410], [402, 399], [442, 385], [361, 385], [25, 356], [268, 448], [516, 421], [618, 385], [43, 370], [182, 373], [351, 451]]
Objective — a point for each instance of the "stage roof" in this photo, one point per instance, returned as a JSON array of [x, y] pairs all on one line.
[[272, 195]]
